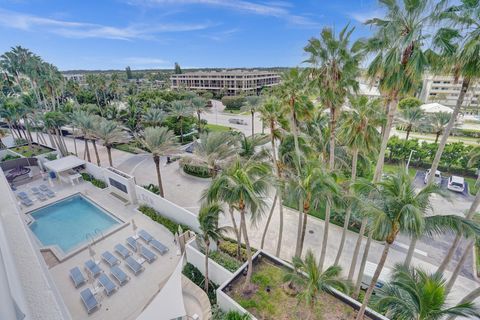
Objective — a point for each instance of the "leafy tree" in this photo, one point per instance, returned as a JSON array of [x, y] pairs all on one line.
[[409, 103], [110, 133], [177, 69], [251, 104], [128, 71], [411, 118]]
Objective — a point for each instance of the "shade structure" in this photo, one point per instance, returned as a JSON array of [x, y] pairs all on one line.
[[64, 164], [168, 304], [435, 108]]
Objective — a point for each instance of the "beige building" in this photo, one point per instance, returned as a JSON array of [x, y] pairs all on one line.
[[233, 82], [444, 90]]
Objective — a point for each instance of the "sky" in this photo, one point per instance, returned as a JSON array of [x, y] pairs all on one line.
[[145, 34]]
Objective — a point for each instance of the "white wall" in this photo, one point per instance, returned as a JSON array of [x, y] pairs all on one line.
[[216, 272], [167, 208], [95, 171], [128, 182]]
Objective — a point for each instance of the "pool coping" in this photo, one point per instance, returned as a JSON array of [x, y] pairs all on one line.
[[55, 249]]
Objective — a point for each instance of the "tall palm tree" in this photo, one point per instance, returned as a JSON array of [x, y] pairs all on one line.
[[153, 117], [180, 110], [437, 123], [395, 206], [110, 133], [412, 293], [209, 230], [252, 103], [458, 46], [471, 296], [358, 131], [244, 184], [199, 105], [160, 142], [333, 68], [410, 119], [214, 149], [272, 113], [83, 122], [398, 63], [311, 281]]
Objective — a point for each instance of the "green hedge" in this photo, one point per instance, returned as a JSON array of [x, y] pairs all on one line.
[[192, 273], [197, 171], [229, 246], [228, 262], [97, 183], [172, 226], [233, 103], [10, 157]]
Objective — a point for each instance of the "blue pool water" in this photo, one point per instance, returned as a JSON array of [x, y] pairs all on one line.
[[67, 222]]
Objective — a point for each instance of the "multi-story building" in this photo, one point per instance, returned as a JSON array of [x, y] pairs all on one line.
[[231, 83], [77, 77], [444, 90]]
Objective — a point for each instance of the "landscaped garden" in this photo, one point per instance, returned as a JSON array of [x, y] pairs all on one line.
[[31, 151]]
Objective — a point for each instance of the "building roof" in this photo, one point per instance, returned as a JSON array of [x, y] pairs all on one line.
[[226, 72], [435, 108], [64, 164]]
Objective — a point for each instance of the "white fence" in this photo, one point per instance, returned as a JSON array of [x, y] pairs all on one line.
[[167, 209], [95, 171], [216, 272]]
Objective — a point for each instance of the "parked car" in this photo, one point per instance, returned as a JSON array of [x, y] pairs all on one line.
[[237, 121], [456, 184], [438, 177], [368, 275]]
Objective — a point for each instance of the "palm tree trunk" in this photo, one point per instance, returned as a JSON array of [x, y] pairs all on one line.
[[249, 251], [363, 263], [411, 251], [323, 252], [11, 130], [437, 136], [458, 268], [293, 121], [349, 209], [269, 219], [304, 226], [446, 133], [181, 129], [471, 212], [207, 249], [156, 159], [408, 132], [87, 150], [468, 298], [253, 124], [109, 152], [356, 251], [74, 141], [52, 142], [199, 122], [94, 143], [375, 277], [237, 232], [280, 228], [298, 249]]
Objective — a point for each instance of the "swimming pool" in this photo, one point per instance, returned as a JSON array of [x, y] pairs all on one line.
[[67, 223]]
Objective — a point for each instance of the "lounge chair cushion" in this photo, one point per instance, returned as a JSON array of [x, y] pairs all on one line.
[[93, 268], [133, 265], [77, 277], [107, 284], [147, 254], [121, 250], [157, 245], [110, 258], [145, 235], [118, 274], [89, 300]]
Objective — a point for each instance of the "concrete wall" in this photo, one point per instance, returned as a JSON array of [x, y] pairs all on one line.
[[126, 180], [216, 272], [167, 208], [95, 171]]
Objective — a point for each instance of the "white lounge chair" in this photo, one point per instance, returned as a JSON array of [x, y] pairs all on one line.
[[147, 254], [110, 259], [93, 268], [77, 277], [89, 300], [118, 274], [122, 251], [134, 265], [107, 284]]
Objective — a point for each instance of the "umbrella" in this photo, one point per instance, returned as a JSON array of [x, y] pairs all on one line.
[[91, 252], [134, 226]]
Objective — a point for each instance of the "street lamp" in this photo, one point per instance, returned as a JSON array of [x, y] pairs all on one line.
[[409, 158]]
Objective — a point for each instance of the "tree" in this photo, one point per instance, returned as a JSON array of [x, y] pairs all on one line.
[[153, 117], [411, 118], [83, 122], [180, 110], [177, 69], [3, 134], [160, 142], [199, 105], [110, 133], [311, 281], [333, 68], [409, 103], [394, 207], [243, 185], [413, 293], [458, 55], [128, 71], [358, 132], [210, 231], [437, 123], [252, 103]]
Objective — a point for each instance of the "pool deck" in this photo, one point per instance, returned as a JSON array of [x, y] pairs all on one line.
[[129, 300]]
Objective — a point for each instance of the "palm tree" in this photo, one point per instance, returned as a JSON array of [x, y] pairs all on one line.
[[358, 131], [110, 133], [437, 123], [198, 104], [410, 119], [210, 231], [243, 185], [474, 294], [214, 149], [311, 281], [395, 207], [272, 113], [413, 293], [153, 117], [252, 103], [3, 134], [248, 146], [180, 110], [159, 141], [333, 68], [82, 121], [458, 55]]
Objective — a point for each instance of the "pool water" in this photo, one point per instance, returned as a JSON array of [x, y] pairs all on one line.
[[67, 223]]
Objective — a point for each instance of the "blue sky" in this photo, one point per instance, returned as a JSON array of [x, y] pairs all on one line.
[[111, 34]]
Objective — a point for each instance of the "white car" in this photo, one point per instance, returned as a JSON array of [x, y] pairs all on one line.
[[438, 177], [368, 273], [456, 184]]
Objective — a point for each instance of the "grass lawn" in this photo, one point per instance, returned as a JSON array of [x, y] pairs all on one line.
[[431, 138], [28, 151], [217, 128], [234, 111], [269, 299]]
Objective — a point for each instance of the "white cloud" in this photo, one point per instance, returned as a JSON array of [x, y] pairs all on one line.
[[73, 29], [143, 61], [222, 35], [278, 9], [366, 15]]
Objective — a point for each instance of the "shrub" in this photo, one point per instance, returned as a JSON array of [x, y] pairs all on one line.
[[410, 102], [225, 260], [192, 273], [167, 223], [51, 156], [152, 188], [20, 142], [96, 182], [233, 103], [229, 247], [10, 157], [196, 170]]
